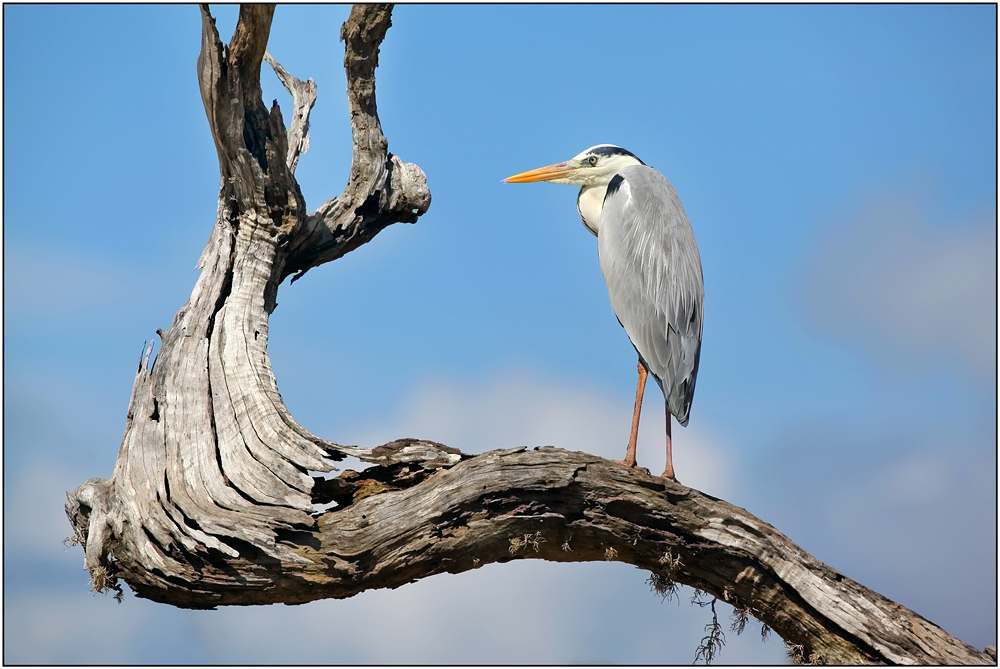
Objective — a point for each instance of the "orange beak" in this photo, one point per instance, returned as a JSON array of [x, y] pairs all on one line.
[[547, 173]]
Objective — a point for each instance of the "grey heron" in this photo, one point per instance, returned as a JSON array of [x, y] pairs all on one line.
[[651, 266]]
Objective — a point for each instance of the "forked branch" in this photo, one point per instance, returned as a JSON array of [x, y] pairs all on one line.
[[216, 498]]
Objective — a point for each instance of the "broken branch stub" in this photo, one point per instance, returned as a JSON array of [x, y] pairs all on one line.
[[212, 501], [303, 98]]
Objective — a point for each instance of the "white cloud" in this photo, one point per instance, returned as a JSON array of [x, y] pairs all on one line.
[[525, 611], [910, 289], [34, 515], [521, 612], [41, 281], [919, 480], [922, 526], [521, 408], [45, 628]]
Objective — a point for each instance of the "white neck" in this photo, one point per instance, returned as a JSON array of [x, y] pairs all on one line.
[[589, 204]]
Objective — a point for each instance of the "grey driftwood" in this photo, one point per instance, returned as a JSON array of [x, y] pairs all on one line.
[[212, 498]]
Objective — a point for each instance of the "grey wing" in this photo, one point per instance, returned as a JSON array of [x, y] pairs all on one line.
[[652, 268]]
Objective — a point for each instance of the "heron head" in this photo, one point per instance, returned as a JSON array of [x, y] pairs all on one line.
[[594, 167]]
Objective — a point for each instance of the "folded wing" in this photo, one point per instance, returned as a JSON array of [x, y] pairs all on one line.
[[652, 269]]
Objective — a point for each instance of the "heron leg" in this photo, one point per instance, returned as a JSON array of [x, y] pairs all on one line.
[[629, 460], [668, 473]]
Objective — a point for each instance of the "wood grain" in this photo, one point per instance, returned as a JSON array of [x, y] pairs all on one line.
[[214, 496]]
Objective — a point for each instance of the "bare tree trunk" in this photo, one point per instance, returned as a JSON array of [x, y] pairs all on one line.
[[211, 500]]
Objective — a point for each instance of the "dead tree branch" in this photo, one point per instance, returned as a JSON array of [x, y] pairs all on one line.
[[212, 498], [303, 98]]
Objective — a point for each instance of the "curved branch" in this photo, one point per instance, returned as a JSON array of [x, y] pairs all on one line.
[[211, 459], [397, 524], [381, 188], [249, 43], [212, 501]]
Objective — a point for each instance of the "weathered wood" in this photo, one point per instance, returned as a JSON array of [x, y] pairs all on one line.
[[381, 188], [303, 98], [212, 498]]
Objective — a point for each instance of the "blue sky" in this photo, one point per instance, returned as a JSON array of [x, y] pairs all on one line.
[[838, 165]]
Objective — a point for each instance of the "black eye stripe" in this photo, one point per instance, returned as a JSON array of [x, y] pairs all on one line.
[[610, 150]]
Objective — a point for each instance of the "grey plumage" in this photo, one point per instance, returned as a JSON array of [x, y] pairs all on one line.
[[652, 269], [651, 266]]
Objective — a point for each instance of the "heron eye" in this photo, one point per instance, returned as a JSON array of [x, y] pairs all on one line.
[[592, 160]]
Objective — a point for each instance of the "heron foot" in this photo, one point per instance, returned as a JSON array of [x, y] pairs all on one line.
[[633, 465]]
